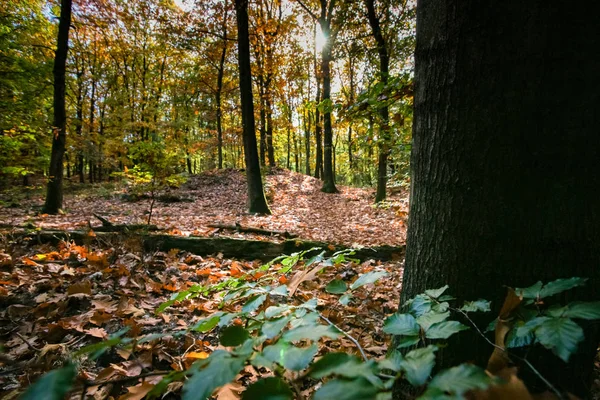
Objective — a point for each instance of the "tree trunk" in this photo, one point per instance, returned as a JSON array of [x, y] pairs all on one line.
[[263, 122], [318, 135], [256, 195], [505, 160], [328, 178], [220, 74], [54, 194], [384, 131], [307, 119]]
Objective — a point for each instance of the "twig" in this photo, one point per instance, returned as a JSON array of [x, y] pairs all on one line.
[[362, 352], [27, 342], [125, 379]]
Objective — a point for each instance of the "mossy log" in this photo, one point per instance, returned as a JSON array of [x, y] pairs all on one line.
[[228, 247]]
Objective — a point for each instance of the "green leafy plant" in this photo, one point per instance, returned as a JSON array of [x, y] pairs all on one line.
[[261, 324]]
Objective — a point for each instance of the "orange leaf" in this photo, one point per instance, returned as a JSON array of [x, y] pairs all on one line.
[[283, 280], [204, 271], [29, 262], [201, 355], [235, 272]]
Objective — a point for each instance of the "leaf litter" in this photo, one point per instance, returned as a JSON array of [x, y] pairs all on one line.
[[58, 299]]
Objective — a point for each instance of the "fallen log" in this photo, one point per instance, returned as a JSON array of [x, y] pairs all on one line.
[[249, 229], [228, 247], [108, 226]]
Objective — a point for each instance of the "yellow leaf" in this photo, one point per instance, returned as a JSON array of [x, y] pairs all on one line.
[[200, 355]]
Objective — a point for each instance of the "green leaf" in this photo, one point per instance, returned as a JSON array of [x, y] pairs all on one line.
[[392, 361], [445, 329], [233, 335], [561, 285], [538, 290], [516, 338], [530, 292], [407, 341], [336, 286], [206, 324], [529, 326], [561, 335], [430, 318], [477, 305], [273, 328], [588, 310], [418, 363], [401, 324], [345, 299], [297, 359], [280, 290], [461, 379], [311, 333], [52, 386], [254, 303], [419, 305], [268, 389], [435, 293], [273, 311], [367, 278], [331, 363], [220, 367], [341, 389]]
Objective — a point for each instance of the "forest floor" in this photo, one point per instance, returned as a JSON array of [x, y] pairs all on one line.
[[219, 197], [54, 300]]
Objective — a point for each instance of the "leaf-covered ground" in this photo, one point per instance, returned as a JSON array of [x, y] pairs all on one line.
[[56, 300], [219, 197]]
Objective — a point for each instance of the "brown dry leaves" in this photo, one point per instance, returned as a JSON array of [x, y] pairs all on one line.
[[219, 197], [57, 300]]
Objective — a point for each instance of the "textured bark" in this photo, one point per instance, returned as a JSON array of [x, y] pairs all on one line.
[[505, 157], [256, 195], [218, 93], [54, 194], [384, 130], [328, 175], [318, 135]]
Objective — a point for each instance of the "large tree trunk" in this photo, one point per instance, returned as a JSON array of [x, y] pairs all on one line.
[[54, 194], [256, 195], [505, 159], [328, 175]]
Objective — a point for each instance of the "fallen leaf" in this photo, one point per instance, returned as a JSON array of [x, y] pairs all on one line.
[[137, 392]]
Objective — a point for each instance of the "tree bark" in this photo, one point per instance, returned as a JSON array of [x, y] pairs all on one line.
[[220, 74], [318, 135], [384, 131], [505, 160], [256, 195], [54, 194], [328, 176]]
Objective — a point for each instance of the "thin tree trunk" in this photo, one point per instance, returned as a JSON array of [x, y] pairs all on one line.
[[220, 74], [256, 195], [54, 194], [318, 136], [328, 176], [384, 70]]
